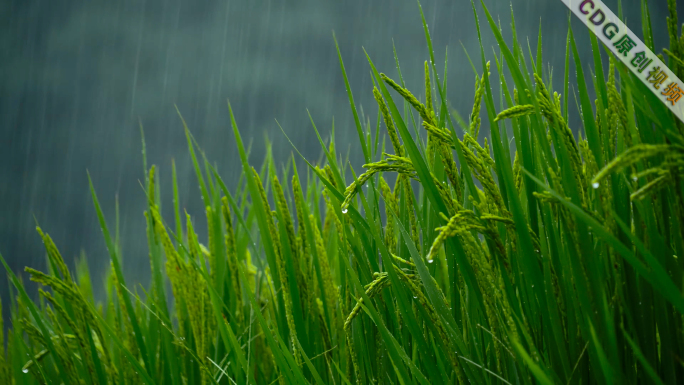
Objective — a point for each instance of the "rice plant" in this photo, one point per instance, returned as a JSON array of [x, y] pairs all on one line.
[[446, 260]]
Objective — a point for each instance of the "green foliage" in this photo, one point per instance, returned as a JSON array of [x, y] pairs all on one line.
[[560, 263]]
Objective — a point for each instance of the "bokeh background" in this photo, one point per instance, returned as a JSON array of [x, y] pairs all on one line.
[[78, 77]]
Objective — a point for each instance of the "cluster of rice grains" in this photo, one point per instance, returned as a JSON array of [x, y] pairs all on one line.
[[450, 259]]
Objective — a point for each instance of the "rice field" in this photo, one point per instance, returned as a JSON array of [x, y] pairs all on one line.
[[449, 258]]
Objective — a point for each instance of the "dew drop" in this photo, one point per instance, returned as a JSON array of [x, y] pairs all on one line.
[[634, 178], [344, 211], [415, 297], [25, 370], [595, 185], [431, 261]]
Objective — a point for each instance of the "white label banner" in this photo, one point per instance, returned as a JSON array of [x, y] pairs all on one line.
[[631, 51]]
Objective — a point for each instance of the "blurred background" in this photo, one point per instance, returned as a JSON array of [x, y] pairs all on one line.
[[78, 77]]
